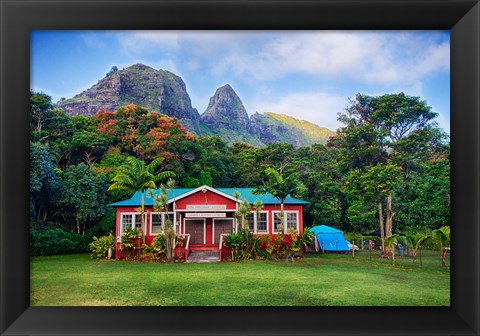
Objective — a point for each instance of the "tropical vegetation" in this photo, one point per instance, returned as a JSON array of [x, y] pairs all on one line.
[[389, 164]]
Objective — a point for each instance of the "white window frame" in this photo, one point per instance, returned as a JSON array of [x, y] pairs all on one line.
[[164, 217], [133, 214], [255, 222], [285, 229]]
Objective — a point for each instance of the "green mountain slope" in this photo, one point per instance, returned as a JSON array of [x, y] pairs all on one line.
[[165, 92], [273, 127]]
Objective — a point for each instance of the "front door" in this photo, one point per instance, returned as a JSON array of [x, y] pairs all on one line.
[[196, 229], [221, 226]]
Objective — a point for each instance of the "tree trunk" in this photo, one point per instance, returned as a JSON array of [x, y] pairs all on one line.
[[282, 217], [444, 257], [389, 217], [78, 226], [382, 231], [393, 255]]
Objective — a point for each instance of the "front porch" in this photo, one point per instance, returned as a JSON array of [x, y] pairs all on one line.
[[202, 247]]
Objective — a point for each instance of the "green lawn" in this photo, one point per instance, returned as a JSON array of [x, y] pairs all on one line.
[[317, 280]]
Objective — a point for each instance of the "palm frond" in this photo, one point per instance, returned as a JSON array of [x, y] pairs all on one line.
[[155, 163], [165, 175], [421, 240]]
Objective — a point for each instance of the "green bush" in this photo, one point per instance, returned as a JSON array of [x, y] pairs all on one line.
[[157, 247], [100, 246], [353, 237], [244, 245], [56, 242]]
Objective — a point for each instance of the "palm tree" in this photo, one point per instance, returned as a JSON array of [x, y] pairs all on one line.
[[258, 206], [442, 236], [135, 176], [279, 186], [161, 204], [390, 245], [415, 242]]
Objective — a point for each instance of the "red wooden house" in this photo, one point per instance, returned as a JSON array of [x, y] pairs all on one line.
[[205, 213]]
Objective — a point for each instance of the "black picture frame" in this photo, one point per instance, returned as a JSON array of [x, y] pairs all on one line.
[[18, 18]]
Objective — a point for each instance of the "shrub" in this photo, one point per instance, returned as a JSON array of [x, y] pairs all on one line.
[[56, 242], [233, 241], [157, 247], [100, 246], [353, 237]]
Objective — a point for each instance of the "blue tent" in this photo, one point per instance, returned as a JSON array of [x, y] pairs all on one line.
[[330, 239]]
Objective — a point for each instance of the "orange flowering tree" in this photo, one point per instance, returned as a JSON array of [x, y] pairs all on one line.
[[147, 135]]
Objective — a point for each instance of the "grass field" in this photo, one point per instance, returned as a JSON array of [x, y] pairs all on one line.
[[317, 280]]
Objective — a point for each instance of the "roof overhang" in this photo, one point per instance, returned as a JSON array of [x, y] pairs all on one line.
[[203, 188]]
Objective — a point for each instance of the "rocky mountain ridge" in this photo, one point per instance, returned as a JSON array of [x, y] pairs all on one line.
[[165, 92]]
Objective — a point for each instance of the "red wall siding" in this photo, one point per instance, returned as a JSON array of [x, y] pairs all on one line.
[[199, 198]]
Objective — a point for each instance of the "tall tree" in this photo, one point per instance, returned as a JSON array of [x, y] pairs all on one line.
[[44, 182], [160, 203], [41, 110], [83, 196], [392, 131], [135, 176], [280, 186]]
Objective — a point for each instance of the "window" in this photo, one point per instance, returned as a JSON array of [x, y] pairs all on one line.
[[276, 221], [250, 220], [128, 219], [156, 223], [262, 224], [157, 220], [257, 223], [290, 220], [138, 221]]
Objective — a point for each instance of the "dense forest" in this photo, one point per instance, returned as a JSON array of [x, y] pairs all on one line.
[[388, 146]]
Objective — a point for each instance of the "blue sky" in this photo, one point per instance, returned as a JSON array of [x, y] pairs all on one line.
[[309, 75]]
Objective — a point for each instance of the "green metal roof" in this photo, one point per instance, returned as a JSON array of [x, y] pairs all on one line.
[[245, 193]]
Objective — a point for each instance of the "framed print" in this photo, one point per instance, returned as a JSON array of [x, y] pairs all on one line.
[[20, 18]]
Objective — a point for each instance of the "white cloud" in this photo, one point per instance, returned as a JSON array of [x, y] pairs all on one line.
[[368, 57], [319, 108], [375, 58]]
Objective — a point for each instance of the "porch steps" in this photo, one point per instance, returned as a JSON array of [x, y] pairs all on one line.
[[199, 256]]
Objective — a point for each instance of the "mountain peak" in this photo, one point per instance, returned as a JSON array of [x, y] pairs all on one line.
[[226, 87], [155, 90], [226, 110], [140, 66]]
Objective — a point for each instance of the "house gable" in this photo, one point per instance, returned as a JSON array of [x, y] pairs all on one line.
[[205, 198]]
